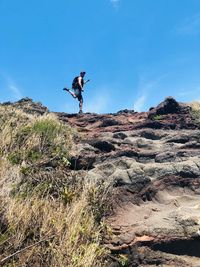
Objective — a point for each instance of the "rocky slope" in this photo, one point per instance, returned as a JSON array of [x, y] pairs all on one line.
[[152, 161]]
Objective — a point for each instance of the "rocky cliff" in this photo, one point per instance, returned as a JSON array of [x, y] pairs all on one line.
[[152, 162]]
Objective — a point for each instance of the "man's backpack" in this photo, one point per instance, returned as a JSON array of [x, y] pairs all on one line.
[[75, 83]]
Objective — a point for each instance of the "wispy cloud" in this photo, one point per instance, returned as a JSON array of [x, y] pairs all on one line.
[[144, 89], [140, 102], [190, 26], [10, 85], [16, 93], [115, 3]]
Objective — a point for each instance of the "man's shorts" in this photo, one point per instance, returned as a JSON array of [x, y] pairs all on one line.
[[78, 94]]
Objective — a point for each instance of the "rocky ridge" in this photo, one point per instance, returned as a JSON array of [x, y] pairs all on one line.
[[152, 161]]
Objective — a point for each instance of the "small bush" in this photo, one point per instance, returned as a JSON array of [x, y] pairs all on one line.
[[123, 259], [158, 117], [195, 111], [33, 140], [98, 196], [15, 158], [47, 129]]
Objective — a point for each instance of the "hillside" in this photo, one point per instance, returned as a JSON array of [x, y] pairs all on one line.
[[117, 189]]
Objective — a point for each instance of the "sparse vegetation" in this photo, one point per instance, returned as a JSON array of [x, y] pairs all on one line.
[[158, 117], [123, 260], [48, 216], [61, 235], [195, 111], [32, 140]]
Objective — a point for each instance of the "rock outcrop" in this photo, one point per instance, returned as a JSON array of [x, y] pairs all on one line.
[[152, 159], [168, 106], [28, 106]]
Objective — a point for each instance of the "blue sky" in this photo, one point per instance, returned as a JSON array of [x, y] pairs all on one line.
[[136, 52]]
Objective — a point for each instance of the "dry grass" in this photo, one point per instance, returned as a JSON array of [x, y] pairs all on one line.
[[195, 111], [30, 139], [47, 216], [70, 234]]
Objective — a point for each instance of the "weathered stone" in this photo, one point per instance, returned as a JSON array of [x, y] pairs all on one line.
[[121, 177], [82, 162], [104, 146], [120, 135], [169, 106], [165, 157], [192, 144], [151, 134], [109, 122]]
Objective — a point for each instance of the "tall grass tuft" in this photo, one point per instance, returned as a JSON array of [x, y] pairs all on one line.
[[195, 111], [30, 139], [60, 235]]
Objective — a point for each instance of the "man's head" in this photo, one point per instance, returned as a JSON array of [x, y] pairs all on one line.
[[82, 73]]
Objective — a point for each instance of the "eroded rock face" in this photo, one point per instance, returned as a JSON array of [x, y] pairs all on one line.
[[152, 160]]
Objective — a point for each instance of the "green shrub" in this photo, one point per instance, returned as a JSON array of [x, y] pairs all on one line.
[[25, 170], [33, 155], [158, 117], [47, 129], [15, 158], [37, 140], [123, 260]]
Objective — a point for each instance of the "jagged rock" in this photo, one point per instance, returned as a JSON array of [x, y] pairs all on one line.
[[185, 108], [151, 134], [120, 135], [82, 162], [181, 139], [126, 111], [130, 153], [169, 106], [165, 157], [138, 183], [23, 100], [27, 105], [104, 146], [109, 122], [151, 108], [192, 144], [6, 103]]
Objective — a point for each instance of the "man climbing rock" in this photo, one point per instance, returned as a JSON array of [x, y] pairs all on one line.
[[77, 86]]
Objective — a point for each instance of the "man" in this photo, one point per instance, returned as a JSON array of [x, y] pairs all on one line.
[[77, 86]]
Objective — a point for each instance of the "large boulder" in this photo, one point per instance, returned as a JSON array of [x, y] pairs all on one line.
[[168, 106]]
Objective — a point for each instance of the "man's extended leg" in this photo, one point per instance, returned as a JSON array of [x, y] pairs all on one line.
[[71, 93]]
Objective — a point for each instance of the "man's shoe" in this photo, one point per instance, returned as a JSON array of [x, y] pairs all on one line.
[[80, 112], [66, 89]]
